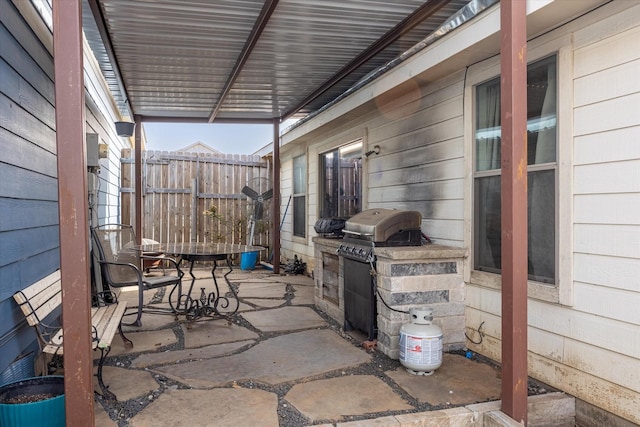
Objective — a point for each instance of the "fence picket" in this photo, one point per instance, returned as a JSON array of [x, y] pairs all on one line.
[[169, 213]]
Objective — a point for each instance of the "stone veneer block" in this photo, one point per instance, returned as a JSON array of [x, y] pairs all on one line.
[[408, 277], [418, 298], [422, 269], [420, 283]]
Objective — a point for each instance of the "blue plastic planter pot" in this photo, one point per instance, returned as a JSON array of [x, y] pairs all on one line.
[[248, 260], [32, 414]]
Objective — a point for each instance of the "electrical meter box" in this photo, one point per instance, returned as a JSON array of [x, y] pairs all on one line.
[[92, 150]]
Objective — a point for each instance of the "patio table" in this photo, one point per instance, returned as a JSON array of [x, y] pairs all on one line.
[[205, 304]]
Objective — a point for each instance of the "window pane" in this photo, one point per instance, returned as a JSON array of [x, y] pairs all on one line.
[[541, 229], [541, 117], [488, 241], [541, 112], [542, 225], [541, 150], [299, 217], [488, 126], [299, 175], [341, 181], [329, 201], [350, 179]]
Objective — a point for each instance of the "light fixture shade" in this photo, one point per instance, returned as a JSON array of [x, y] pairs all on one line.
[[125, 128]]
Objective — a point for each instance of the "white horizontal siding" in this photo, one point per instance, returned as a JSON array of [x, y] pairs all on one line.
[[590, 328], [615, 113], [436, 190], [607, 271], [594, 329], [421, 156], [612, 146], [437, 171], [609, 52], [597, 209], [613, 240], [607, 302], [614, 177], [608, 84]]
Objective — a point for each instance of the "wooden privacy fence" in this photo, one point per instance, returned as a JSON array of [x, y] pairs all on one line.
[[196, 197]]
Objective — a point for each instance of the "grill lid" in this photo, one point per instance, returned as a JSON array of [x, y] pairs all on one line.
[[378, 225]]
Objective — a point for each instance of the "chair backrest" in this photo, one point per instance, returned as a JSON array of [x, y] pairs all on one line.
[[115, 244]]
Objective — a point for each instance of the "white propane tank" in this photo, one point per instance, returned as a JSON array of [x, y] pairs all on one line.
[[421, 343]]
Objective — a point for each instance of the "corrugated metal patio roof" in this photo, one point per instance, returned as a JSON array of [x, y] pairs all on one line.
[[248, 60]]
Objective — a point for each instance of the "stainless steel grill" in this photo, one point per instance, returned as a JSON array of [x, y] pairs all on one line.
[[363, 232]]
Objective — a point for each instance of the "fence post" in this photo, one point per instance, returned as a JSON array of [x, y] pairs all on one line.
[[194, 209]]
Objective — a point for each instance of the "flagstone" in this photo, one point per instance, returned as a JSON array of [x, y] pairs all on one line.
[[338, 397], [229, 407], [284, 319], [126, 383], [167, 357], [142, 341], [199, 334]]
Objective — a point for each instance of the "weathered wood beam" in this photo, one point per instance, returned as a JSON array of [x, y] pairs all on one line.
[[73, 209], [513, 49]]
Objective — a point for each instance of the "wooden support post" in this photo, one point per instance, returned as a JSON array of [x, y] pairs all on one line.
[[276, 196], [514, 207], [73, 209]]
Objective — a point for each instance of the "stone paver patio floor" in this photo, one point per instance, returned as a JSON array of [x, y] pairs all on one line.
[[277, 362]]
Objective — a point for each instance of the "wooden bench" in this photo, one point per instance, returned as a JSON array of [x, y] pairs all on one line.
[[41, 299]]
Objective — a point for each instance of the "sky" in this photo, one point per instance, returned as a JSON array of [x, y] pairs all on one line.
[[226, 138]]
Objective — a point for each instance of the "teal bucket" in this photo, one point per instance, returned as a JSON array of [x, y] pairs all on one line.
[[248, 260], [32, 414]]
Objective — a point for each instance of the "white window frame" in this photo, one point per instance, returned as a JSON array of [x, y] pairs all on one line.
[[562, 291], [296, 195]]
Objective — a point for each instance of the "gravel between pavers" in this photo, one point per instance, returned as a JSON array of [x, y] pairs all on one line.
[[288, 415]]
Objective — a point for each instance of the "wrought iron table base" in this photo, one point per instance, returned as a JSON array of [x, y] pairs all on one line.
[[207, 304]]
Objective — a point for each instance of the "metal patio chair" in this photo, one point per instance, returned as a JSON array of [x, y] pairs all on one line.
[[120, 261]]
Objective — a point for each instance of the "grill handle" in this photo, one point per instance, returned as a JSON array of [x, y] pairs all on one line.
[[357, 233]]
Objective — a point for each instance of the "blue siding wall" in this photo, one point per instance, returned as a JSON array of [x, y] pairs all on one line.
[[29, 238]]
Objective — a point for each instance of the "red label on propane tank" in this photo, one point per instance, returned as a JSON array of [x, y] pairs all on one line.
[[423, 350]]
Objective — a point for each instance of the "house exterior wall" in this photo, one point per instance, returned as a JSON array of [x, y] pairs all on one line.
[[29, 225], [584, 332]]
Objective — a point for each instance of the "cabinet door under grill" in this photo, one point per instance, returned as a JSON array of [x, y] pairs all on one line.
[[359, 300]]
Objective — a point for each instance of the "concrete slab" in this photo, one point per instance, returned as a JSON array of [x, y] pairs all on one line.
[[126, 383], [276, 360], [284, 319], [167, 357], [142, 341], [337, 398], [458, 381], [229, 407], [199, 334]]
